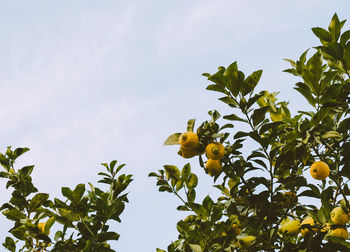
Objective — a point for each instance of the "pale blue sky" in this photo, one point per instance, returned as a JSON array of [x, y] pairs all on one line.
[[85, 82]]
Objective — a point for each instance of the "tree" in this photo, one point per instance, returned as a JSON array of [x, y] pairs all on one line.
[[81, 218], [262, 207]]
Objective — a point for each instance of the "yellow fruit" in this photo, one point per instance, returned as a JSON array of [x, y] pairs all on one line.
[[338, 216], [247, 240], [339, 232], [188, 153], [189, 140], [305, 230], [290, 200], [213, 167], [319, 170], [41, 227], [215, 151], [236, 229], [290, 227]]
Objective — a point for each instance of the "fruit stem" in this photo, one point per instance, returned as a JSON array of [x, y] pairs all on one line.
[[215, 151]]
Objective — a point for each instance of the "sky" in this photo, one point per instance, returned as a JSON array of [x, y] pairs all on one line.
[[86, 82]]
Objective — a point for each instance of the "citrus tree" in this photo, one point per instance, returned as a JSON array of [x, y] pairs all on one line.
[[266, 202], [81, 218]]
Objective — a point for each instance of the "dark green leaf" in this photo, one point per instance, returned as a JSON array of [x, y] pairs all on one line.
[[78, 192], [10, 244], [344, 38], [234, 117], [106, 236], [305, 90], [322, 34], [250, 82], [207, 203], [240, 134], [37, 201], [186, 172], [259, 115]]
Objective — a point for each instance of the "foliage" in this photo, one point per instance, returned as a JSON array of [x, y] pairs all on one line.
[[81, 217], [258, 188]]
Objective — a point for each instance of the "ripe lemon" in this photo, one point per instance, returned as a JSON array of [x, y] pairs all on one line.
[[338, 216], [290, 200], [319, 170], [308, 220], [215, 151], [189, 140], [213, 167], [290, 227], [247, 241], [339, 232], [188, 153]]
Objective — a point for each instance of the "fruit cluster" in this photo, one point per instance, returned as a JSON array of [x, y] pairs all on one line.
[[189, 147], [308, 226]]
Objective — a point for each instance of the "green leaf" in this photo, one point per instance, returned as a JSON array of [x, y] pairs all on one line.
[[322, 34], [335, 50], [112, 164], [216, 88], [240, 134], [152, 174], [190, 124], [37, 201], [344, 38], [13, 214], [191, 195], [4, 174], [49, 224], [234, 117], [292, 62], [173, 139], [250, 82], [106, 236], [119, 168], [78, 192], [235, 79], [207, 203], [67, 193], [165, 189], [192, 181], [346, 56], [305, 90], [186, 172], [229, 100], [10, 244], [58, 235], [330, 134], [334, 28], [215, 115], [199, 210], [302, 58], [183, 208], [172, 171], [259, 115], [19, 151], [196, 247]]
